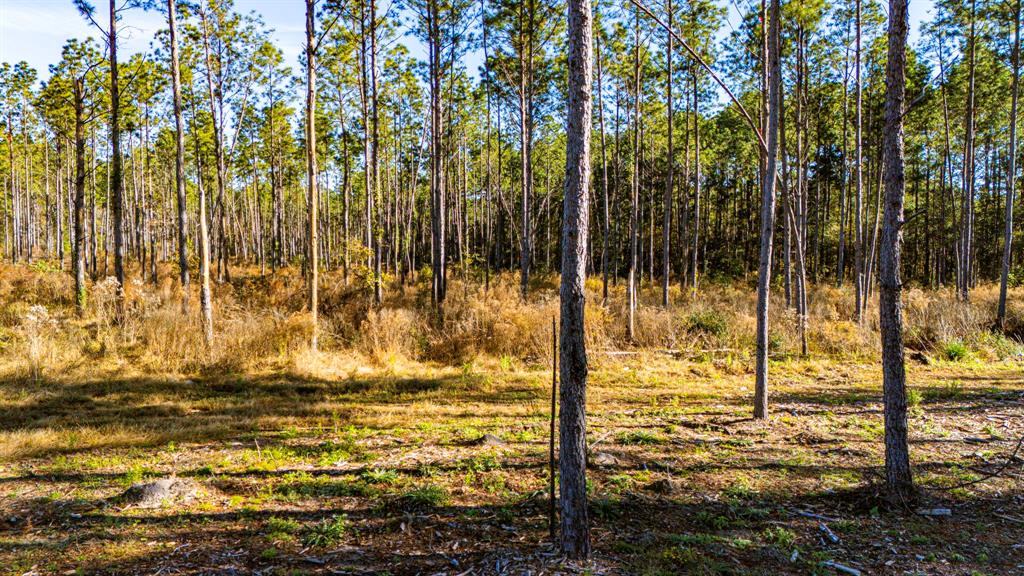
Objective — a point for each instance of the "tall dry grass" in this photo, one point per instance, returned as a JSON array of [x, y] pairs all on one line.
[[261, 323]]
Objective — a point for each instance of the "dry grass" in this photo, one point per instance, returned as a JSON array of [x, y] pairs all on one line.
[[261, 323]]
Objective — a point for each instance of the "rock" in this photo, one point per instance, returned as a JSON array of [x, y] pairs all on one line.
[[920, 358], [666, 486], [603, 459], [161, 492], [488, 440]]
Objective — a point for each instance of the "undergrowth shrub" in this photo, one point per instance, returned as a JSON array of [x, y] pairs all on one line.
[[389, 333], [263, 322]]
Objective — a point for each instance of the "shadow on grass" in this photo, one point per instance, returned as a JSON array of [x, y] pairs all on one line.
[[215, 408]]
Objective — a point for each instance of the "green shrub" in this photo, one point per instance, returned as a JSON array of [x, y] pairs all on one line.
[[955, 351], [707, 322]]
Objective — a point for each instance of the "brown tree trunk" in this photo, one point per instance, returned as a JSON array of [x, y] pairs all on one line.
[[767, 212], [117, 192], [312, 196], [78, 263], [179, 157], [575, 529], [897, 455], [1011, 180], [666, 224]]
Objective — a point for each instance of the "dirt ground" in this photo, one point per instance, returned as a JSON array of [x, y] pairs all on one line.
[[388, 471]]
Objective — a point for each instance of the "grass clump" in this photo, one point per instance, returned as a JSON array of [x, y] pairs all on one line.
[[425, 496], [640, 438], [326, 533], [281, 529], [949, 390], [781, 538]]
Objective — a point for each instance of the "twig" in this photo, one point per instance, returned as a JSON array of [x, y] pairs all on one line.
[[814, 516], [841, 568], [1009, 518]]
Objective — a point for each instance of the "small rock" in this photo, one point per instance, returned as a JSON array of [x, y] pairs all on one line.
[[603, 459], [665, 486], [488, 440], [162, 492]]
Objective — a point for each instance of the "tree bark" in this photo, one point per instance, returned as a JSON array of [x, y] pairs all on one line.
[[1011, 180], [666, 224], [79, 208], [179, 158], [859, 176], [312, 196], [767, 212], [897, 456], [575, 529], [117, 192]]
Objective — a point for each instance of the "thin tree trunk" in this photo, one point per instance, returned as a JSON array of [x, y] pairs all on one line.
[[633, 261], [666, 224], [767, 213], [1011, 180], [858, 258], [179, 158], [79, 242], [117, 192], [311, 169]]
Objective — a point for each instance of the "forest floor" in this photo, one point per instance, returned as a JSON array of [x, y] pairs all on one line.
[[383, 471]]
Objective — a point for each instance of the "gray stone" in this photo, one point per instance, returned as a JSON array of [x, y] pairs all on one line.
[[489, 440], [602, 459], [161, 492]]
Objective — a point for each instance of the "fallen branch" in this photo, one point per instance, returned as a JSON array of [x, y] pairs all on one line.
[[841, 568]]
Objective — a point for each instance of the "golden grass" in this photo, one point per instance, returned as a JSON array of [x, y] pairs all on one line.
[[261, 323]]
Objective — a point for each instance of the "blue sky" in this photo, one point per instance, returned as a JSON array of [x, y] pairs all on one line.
[[35, 30]]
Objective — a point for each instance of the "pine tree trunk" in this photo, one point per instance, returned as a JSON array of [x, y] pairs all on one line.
[[861, 282], [768, 213], [78, 263], [666, 224], [117, 192], [575, 529], [179, 157], [897, 455], [311, 171], [1011, 180], [634, 206]]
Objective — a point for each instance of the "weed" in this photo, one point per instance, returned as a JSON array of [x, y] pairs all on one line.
[[781, 538], [955, 351], [640, 437], [328, 532], [425, 496]]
